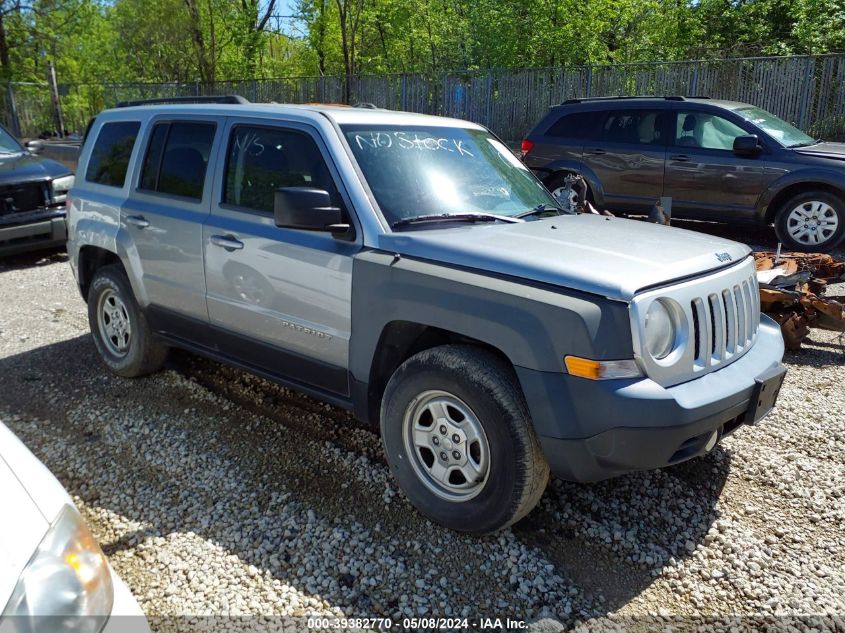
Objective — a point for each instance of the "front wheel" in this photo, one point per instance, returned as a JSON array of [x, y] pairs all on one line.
[[811, 221], [459, 440]]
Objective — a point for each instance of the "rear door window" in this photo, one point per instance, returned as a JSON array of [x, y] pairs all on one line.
[[177, 158], [263, 159], [635, 127], [574, 125], [110, 155]]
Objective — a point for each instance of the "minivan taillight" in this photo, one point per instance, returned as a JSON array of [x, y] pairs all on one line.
[[527, 146]]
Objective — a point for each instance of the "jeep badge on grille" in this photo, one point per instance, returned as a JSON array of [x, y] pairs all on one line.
[[724, 257]]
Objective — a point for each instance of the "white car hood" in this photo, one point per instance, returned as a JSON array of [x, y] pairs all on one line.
[[27, 511]]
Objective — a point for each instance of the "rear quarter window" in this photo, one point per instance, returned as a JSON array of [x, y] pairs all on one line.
[[574, 125], [110, 155]]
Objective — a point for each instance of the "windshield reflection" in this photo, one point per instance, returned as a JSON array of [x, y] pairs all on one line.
[[419, 170]]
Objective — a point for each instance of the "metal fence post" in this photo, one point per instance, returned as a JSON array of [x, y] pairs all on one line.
[[403, 97], [488, 115], [589, 80], [806, 93], [14, 122], [54, 98]]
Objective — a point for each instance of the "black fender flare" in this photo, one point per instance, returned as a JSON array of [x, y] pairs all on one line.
[[532, 326]]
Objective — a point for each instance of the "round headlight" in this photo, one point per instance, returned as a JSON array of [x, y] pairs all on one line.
[[659, 331], [67, 581]]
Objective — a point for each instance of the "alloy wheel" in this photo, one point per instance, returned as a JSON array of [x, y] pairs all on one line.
[[447, 446]]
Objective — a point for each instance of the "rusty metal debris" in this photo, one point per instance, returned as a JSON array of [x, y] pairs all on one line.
[[791, 289]]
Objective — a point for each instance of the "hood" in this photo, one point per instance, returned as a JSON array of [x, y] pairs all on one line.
[[835, 151], [17, 168], [612, 257]]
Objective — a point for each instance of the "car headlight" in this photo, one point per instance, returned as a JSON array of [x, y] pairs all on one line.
[[660, 330], [59, 188], [67, 579]]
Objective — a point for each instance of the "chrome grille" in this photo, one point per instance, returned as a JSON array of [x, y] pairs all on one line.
[[720, 315], [725, 323]]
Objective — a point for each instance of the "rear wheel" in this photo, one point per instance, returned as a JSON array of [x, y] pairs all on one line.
[[119, 328], [811, 221], [459, 440], [557, 186]]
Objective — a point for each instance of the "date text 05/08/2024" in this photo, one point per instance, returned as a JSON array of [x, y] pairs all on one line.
[[421, 623]]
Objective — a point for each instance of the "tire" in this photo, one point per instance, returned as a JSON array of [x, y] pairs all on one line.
[[122, 336], [812, 207], [485, 408]]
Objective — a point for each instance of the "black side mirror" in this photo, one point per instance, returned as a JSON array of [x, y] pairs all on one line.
[[309, 209], [747, 145], [35, 147]]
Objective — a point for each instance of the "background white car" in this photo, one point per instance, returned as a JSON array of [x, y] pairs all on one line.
[[53, 574]]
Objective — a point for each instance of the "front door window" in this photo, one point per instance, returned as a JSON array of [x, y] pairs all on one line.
[[705, 131]]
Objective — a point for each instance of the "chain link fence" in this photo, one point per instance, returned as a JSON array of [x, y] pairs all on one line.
[[808, 91]]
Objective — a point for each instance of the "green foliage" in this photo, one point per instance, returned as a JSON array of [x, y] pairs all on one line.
[[97, 41]]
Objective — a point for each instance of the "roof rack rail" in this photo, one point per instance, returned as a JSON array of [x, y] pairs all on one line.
[[621, 97], [230, 99]]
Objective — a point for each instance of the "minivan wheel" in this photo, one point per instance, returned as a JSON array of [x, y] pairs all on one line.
[[811, 221], [459, 439], [557, 185], [119, 328]]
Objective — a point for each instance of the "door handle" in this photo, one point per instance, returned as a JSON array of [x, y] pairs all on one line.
[[598, 151], [138, 221], [681, 158], [227, 241]]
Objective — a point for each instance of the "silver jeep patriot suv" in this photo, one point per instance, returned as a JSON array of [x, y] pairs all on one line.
[[410, 268]]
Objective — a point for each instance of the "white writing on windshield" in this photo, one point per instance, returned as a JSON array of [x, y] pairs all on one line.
[[406, 141]]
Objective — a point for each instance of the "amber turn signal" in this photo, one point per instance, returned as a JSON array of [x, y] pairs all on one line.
[[601, 369]]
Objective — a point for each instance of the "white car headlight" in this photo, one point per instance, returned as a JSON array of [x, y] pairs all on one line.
[[660, 330], [59, 188], [67, 578]]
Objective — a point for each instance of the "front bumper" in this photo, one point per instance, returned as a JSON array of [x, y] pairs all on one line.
[[126, 615], [594, 430], [40, 230]]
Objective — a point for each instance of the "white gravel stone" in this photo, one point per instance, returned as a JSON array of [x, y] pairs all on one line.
[[215, 492]]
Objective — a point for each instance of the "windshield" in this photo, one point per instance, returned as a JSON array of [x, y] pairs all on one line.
[[8, 144], [417, 171], [778, 129]]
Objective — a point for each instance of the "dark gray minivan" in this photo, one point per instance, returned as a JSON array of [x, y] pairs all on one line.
[[718, 160]]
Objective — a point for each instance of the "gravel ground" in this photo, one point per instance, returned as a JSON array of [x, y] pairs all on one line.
[[216, 492]]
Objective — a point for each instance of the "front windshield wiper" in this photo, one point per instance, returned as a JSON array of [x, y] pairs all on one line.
[[454, 217], [807, 144], [540, 208]]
